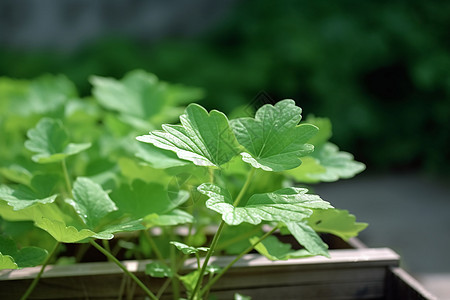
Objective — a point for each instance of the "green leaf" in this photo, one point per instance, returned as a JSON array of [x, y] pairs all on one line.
[[325, 130], [33, 212], [273, 249], [188, 249], [137, 94], [326, 163], [16, 173], [133, 170], [205, 139], [288, 204], [235, 239], [308, 238], [63, 233], [273, 139], [308, 171], [21, 196], [7, 262], [335, 165], [23, 258], [238, 296], [142, 199], [140, 97], [159, 158], [336, 221], [45, 94], [39, 190], [50, 141], [338, 164], [108, 232], [172, 218], [90, 201], [159, 270], [189, 280]]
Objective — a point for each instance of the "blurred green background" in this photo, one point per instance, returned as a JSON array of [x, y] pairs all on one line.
[[380, 70]]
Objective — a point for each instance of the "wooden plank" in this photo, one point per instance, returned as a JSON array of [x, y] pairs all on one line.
[[349, 257], [401, 285], [348, 274]]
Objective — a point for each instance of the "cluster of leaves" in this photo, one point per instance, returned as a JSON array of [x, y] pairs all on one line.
[[272, 144], [81, 183], [74, 173], [368, 66]]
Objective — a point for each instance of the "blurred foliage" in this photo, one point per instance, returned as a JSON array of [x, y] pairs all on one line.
[[380, 70]]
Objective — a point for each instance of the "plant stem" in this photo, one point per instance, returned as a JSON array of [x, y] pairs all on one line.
[[107, 247], [224, 270], [163, 287], [155, 248], [207, 257], [218, 232], [211, 175], [66, 177], [238, 238], [244, 188], [36, 279], [81, 250], [173, 266], [117, 262]]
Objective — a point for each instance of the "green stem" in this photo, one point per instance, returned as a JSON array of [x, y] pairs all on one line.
[[117, 262], [197, 256], [217, 234], [211, 175], [238, 238], [66, 177], [173, 266], [107, 247], [36, 279], [224, 270], [155, 248], [163, 287], [244, 188], [81, 251], [207, 257]]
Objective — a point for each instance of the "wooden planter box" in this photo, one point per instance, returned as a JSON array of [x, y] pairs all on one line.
[[361, 273]]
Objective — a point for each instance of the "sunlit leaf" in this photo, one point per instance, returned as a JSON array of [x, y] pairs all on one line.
[[289, 204], [336, 221], [90, 201], [21, 197], [63, 233], [238, 296], [7, 262], [274, 141], [188, 249], [159, 270], [273, 249], [308, 238], [204, 138], [326, 163], [109, 230]]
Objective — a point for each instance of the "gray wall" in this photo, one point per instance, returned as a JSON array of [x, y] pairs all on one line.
[[67, 24]]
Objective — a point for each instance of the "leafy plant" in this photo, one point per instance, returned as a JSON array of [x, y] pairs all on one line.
[[273, 141], [80, 176]]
